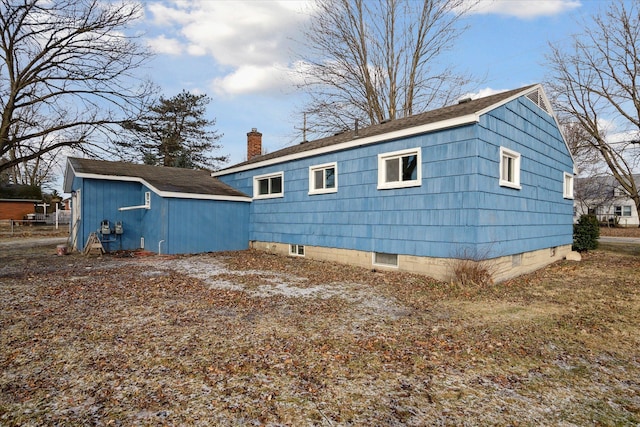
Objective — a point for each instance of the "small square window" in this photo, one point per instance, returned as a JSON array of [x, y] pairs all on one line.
[[399, 169], [567, 187], [383, 259], [323, 179], [516, 260], [268, 186], [296, 250], [509, 168]]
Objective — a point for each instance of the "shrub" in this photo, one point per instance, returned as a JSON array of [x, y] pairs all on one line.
[[586, 233], [471, 273], [472, 269]]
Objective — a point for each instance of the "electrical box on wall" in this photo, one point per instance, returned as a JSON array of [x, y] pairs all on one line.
[[105, 228], [118, 229]]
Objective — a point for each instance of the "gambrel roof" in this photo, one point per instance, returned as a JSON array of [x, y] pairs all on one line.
[[465, 112], [164, 181]]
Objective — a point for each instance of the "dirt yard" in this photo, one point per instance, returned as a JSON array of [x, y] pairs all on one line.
[[248, 338]]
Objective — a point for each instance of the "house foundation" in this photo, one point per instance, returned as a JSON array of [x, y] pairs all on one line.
[[501, 268]]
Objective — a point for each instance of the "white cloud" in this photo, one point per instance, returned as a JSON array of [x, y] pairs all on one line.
[[525, 9], [247, 37], [163, 45], [252, 78], [482, 93]]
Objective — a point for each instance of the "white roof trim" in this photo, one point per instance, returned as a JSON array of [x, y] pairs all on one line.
[[458, 121], [169, 194]]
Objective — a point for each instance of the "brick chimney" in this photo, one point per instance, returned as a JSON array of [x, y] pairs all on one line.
[[254, 144]]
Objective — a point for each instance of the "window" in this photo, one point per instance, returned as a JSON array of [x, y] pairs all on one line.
[[516, 260], [622, 210], [268, 186], [297, 250], [509, 168], [323, 178], [619, 192], [387, 260], [567, 188], [399, 169]]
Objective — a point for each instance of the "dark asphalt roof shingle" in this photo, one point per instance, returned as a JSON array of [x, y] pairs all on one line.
[[165, 179], [434, 116]]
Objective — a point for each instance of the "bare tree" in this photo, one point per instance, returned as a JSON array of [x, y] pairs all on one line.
[[67, 73], [376, 60], [596, 82]]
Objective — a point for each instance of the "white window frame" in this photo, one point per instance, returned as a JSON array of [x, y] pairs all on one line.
[[296, 250], [622, 214], [506, 153], [312, 178], [382, 169], [619, 192], [270, 195], [567, 185]]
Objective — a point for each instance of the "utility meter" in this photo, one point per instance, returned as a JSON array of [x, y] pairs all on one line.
[[119, 227], [104, 227]]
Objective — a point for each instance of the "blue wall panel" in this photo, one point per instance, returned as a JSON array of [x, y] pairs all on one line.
[[206, 226], [100, 200]]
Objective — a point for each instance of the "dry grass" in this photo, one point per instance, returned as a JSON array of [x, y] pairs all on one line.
[[31, 231], [620, 232], [249, 338]]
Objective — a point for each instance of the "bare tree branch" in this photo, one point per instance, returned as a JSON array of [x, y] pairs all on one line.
[[596, 83], [376, 60], [67, 68]]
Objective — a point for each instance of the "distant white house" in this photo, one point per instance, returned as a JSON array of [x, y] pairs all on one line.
[[603, 197]]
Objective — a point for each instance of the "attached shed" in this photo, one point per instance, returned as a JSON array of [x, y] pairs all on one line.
[[161, 209]]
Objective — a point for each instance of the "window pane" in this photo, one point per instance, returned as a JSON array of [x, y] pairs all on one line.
[[626, 211], [386, 259], [317, 178], [617, 210], [392, 167], [330, 178], [504, 173], [263, 186], [507, 168], [409, 168], [276, 185]]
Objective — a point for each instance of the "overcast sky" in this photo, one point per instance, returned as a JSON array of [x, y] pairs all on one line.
[[240, 54]]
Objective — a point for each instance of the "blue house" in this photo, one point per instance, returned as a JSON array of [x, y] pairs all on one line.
[[164, 210], [485, 179]]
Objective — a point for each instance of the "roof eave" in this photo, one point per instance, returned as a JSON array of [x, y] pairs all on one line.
[[357, 142], [161, 193]]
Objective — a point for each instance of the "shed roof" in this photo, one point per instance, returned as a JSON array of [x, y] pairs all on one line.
[[165, 181], [464, 112]]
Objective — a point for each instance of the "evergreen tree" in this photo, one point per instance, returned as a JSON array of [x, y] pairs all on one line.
[[175, 132]]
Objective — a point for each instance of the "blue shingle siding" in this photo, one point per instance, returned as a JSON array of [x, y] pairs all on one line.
[[171, 226], [459, 207], [100, 200]]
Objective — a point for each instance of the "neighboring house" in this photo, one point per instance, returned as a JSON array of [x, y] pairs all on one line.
[[490, 178], [487, 179], [603, 197], [18, 201], [17, 209], [166, 210]]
